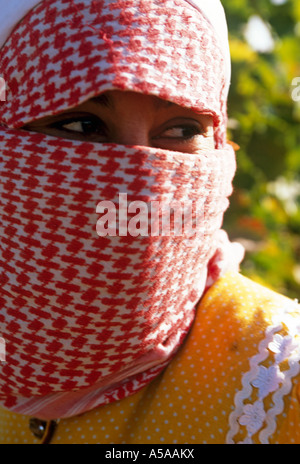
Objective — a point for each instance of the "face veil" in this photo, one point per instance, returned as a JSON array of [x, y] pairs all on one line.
[[88, 319]]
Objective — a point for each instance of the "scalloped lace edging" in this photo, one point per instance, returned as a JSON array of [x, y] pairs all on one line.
[[280, 353]]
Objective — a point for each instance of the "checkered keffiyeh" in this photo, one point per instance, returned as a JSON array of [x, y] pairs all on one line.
[[88, 319]]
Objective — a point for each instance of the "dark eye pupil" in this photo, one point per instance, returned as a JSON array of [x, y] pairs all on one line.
[[189, 131], [88, 126]]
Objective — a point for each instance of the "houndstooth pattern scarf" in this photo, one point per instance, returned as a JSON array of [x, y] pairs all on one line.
[[87, 319]]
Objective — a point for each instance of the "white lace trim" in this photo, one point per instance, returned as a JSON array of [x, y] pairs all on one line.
[[282, 351]]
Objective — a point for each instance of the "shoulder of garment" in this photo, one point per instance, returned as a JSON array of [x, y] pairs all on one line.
[[236, 379], [258, 332]]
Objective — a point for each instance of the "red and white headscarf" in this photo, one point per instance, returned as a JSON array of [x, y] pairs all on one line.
[[88, 320]]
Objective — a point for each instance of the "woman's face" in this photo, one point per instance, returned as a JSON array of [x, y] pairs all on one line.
[[130, 118]]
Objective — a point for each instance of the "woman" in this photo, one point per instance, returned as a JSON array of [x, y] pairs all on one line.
[[127, 337]]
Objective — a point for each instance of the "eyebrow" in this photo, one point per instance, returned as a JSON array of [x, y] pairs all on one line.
[[104, 100], [159, 103]]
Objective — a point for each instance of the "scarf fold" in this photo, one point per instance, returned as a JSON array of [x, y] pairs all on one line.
[[78, 309]]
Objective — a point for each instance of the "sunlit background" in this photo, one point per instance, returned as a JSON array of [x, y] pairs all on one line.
[[264, 121]]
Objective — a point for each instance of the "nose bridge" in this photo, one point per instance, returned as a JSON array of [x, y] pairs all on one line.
[[133, 118], [132, 130]]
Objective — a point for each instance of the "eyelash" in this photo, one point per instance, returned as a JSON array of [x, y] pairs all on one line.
[[191, 128]]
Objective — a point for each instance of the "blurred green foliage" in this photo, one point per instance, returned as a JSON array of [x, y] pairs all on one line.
[[265, 122]]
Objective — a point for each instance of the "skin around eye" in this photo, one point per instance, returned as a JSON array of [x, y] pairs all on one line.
[[90, 127], [129, 118]]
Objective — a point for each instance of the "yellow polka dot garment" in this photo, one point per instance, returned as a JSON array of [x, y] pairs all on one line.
[[236, 379]]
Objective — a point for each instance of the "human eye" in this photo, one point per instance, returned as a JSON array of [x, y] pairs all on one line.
[[182, 131], [81, 127], [185, 134]]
